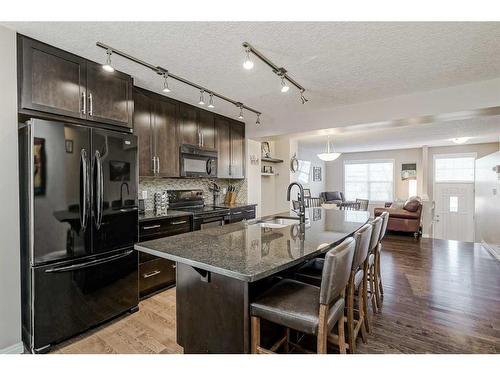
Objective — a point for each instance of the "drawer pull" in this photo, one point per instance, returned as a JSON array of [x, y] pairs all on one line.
[[151, 274], [250, 211], [179, 222], [152, 226], [237, 213]]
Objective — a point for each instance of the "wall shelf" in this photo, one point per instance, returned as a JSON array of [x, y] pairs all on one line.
[[271, 160]]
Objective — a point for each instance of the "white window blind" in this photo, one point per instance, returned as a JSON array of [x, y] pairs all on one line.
[[454, 169], [369, 180]]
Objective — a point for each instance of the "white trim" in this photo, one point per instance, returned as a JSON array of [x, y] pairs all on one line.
[[372, 161], [13, 349]]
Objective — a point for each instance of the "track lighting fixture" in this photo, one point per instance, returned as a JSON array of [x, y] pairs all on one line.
[[257, 122], [202, 100], [169, 76], [303, 99], [211, 101], [165, 82], [248, 64], [284, 86], [108, 67]]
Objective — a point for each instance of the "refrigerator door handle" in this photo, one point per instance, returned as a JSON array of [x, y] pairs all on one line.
[[91, 263], [98, 181], [84, 187]]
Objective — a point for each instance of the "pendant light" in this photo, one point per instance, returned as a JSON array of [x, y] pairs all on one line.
[[165, 82], [108, 67], [328, 156]]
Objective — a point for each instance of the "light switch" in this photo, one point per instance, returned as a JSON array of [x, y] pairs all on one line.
[[144, 194]]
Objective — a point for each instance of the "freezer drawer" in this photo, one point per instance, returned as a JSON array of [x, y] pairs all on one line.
[[71, 298]]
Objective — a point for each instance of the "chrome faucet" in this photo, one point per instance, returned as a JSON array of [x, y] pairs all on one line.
[[302, 203]]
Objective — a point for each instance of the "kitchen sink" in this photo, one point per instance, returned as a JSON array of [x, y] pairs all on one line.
[[278, 222]]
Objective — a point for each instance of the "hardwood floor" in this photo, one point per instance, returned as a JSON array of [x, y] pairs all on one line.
[[439, 297]]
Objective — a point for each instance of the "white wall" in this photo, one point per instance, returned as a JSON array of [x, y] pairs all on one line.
[[253, 174], [10, 283], [312, 156]]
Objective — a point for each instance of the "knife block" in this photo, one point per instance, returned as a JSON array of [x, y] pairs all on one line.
[[230, 198]]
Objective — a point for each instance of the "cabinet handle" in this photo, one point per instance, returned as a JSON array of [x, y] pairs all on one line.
[[152, 226], [237, 213], [151, 274], [158, 164], [91, 106], [153, 159], [84, 103], [178, 222], [249, 211]]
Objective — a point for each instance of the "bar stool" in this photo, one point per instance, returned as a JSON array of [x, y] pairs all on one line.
[[307, 308], [311, 273], [379, 290], [370, 274]]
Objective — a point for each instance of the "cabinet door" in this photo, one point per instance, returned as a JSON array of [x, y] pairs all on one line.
[[109, 96], [206, 127], [188, 125], [51, 80], [143, 128], [167, 145], [223, 128], [237, 150]]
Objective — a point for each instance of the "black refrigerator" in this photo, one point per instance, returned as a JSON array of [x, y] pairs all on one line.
[[79, 222]]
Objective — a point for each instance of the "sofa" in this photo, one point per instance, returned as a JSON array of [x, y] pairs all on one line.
[[403, 219], [332, 197]]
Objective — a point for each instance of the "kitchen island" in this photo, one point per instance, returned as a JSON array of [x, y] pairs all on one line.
[[220, 270]]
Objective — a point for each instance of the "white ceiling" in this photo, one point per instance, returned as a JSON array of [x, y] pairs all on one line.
[[338, 63]]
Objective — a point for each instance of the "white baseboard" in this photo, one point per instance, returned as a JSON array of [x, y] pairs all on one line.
[[13, 349], [426, 235]]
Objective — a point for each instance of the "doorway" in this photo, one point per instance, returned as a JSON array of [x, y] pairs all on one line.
[[454, 197]]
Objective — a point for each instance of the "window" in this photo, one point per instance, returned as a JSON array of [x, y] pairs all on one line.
[[303, 172], [453, 204], [412, 188], [373, 180], [450, 169]]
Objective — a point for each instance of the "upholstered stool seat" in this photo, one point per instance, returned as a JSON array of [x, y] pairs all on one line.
[[311, 272], [294, 304]]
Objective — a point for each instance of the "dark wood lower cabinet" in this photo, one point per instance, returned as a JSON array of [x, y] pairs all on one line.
[[241, 213], [156, 274]]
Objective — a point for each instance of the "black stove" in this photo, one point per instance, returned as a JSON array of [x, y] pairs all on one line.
[[192, 201]]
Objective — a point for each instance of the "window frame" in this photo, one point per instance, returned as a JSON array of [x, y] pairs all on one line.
[[372, 161], [453, 156]]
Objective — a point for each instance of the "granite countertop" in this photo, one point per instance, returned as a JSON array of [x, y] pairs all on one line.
[[151, 215], [250, 252]]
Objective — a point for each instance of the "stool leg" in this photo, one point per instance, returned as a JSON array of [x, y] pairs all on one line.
[[322, 330], [365, 297], [362, 313], [350, 315], [372, 289], [379, 271], [377, 280], [286, 346], [255, 334], [342, 348]]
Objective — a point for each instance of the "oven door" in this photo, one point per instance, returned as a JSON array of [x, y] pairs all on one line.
[[195, 162], [207, 222]]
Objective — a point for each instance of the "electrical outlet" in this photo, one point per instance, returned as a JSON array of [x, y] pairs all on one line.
[[144, 194]]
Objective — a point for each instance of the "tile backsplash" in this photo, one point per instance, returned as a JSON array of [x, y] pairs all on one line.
[[153, 185]]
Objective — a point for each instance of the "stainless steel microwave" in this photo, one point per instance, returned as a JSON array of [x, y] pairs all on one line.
[[197, 162]]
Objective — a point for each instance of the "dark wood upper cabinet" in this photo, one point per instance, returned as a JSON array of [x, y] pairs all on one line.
[[206, 128], [167, 145], [144, 130], [188, 125], [237, 150], [50, 80], [59, 83], [109, 96], [223, 129]]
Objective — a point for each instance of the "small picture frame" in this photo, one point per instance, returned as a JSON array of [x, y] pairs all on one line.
[[316, 174], [69, 146]]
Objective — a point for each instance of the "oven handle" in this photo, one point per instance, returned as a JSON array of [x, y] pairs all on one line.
[[88, 264]]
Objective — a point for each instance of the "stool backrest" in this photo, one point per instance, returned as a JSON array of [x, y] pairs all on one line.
[[385, 220], [377, 227], [336, 270], [363, 238]]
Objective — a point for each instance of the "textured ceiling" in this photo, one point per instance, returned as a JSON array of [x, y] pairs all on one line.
[[338, 63]]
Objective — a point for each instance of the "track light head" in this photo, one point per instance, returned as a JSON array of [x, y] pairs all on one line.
[[165, 83], [248, 64], [202, 99], [241, 112], [108, 67], [284, 85], [303, 99], [211, 101], [257, 122]]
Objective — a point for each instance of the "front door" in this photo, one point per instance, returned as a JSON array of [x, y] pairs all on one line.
[[454, 211]]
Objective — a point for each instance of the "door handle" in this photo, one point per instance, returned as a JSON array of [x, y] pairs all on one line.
[[84, 186], [151, 274], [99, 189], [91, 104]]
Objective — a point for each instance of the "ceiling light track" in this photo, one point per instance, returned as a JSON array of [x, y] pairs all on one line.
[[279, 71], [166, 73]]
